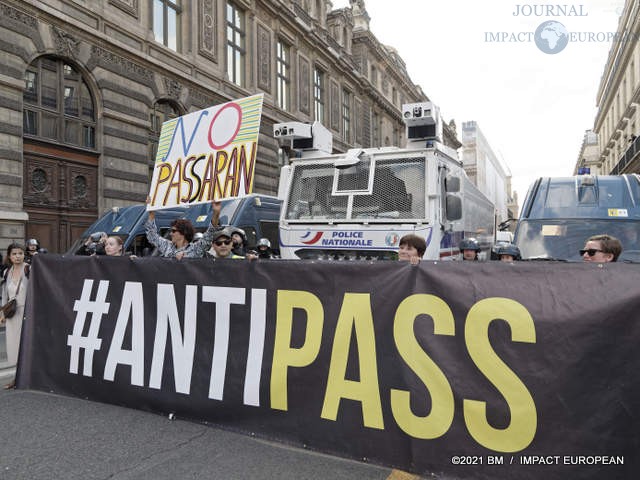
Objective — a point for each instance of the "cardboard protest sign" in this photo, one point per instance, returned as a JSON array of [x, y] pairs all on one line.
[[208, 154]]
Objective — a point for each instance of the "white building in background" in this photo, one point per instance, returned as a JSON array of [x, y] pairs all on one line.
[[617, 122], [487, 172], [589, 156]]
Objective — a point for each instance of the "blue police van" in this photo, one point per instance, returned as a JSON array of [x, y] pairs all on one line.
[[560, 213], [256, 214]]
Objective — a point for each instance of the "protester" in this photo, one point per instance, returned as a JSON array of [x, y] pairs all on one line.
[[14, 286], [114, 246], [470, 248], [222, 245], [182, 233], [601, 249], [508, 253], [411, 248]]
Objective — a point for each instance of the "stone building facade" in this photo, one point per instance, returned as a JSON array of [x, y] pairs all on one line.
[[86, 84], [617, 122]]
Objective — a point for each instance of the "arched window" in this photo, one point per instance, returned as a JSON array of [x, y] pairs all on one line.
[[58, 105], [163, 110]]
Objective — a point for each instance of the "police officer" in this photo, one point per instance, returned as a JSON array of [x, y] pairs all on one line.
[[508, 253], [239, 239], [33, 248], [264, 248], [470, 248]]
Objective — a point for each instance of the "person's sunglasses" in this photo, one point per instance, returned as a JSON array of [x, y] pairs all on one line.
[[222, 242], [174, 230], [589, 251]]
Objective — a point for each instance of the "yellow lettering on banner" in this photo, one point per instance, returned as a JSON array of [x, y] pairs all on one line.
[[176, 182], [222, 158], [439, 419], [284, 356], [164, 175], [247, 168], [231, 175], [209, 180], [188, 178], [522, 428], [355, 316]]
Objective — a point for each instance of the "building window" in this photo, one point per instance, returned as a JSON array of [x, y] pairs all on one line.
[[283, 79], [375, 130], [166, 22], [346, 116], [374, 76], [318, 94], [163, 110], [57, 104], [235, 44]]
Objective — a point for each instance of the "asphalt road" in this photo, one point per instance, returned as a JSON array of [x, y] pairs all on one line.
[[45, 436]]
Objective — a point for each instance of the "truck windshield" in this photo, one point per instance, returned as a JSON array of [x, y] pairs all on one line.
[[321, 192], [561, 238]]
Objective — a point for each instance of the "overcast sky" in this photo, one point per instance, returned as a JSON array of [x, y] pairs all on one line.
[[533, 107]]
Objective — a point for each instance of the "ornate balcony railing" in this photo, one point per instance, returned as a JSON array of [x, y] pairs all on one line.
[[627, 158]]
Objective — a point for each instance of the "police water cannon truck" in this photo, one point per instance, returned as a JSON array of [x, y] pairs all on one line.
[[357, 205]]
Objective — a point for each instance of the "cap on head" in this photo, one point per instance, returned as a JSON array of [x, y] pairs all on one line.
[[225, 232]]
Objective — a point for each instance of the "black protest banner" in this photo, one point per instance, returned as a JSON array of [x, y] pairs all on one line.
[[477, 370]]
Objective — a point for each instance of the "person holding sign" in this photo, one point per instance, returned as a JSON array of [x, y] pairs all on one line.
[[182, 233]]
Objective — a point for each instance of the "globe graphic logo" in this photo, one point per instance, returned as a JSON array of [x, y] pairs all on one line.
[[551, 37]]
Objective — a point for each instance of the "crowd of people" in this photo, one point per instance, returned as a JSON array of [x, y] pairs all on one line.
[[598, 248], [220, 242]]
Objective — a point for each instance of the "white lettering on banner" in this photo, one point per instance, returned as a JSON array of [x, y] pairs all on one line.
[[223, 297], [182, 345], [257, 333], [182, 342], [91, 342], [132, 302]]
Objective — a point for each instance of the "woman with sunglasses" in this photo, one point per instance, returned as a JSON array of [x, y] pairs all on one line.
[[182, 232], [601, 249]]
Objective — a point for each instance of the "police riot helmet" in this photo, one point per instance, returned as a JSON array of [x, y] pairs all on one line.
[[264, 242], [33, 241], [469, 244], [240, 232], [509, 249]]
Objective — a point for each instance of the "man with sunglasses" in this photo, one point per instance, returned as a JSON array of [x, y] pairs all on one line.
[[601, 249], [222, 246], [182, 233]]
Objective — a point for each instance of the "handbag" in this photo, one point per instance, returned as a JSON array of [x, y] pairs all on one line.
[[9, 308]]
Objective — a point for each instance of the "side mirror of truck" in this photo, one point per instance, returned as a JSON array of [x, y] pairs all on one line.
[[452, 184], [454, 207]]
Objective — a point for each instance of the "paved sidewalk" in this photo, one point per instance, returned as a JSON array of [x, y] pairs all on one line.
[[46, 436]]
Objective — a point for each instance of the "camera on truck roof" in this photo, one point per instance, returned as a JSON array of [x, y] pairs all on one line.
[[292, 130], [304, 136], [422, 121]]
